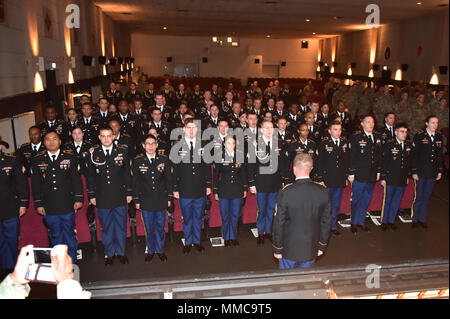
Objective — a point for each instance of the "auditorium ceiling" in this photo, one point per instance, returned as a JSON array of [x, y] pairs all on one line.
[[259, 18]]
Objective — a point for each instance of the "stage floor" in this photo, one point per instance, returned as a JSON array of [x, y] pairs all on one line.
[[377, 246]]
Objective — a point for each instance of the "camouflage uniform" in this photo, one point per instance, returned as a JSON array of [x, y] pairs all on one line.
[[383, 104], [365, 105], [418, 115], [441, 113], [351, 101], [403, 112]]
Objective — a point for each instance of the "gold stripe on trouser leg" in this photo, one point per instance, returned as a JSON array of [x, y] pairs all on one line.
[[145, 231], [384, 203], [415, 196]]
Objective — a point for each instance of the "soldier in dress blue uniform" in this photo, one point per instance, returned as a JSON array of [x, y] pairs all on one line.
[[227, 104], [167, 112], [57, 191], [395, 171], [301, 224], [230, 187], [333, 160], [427, 167], [72, 119], [285, 138], [51, 123], [89, 124], [293, 118], [28, 150], [133, 94], [113, 95], [267, 178], [346, 119], [124, 140], [14, 199], [109, 188], [387, 131], [190, 170], [161, 125], [364, 171], [302, 144], [234, 114], [212, 120], [149, 96], [129, 123], [103, 115], [152, 186], [315, 130], [80, 148], [180, 95]]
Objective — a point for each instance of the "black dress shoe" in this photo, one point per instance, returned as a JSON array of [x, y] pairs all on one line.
[[149, 257], [199, 247], [384, 227], [109, 261], [187, 249], [123, 260], [260, 240], [414, 224], [353, 229], [227, 243], [162, 257], [268, 236], [235, 242], [336, 232], [393, 227], [423, 224]]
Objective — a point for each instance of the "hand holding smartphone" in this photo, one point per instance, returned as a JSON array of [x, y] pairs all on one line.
[[40, 269]]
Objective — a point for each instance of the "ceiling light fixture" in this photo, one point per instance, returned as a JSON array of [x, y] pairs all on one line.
[[164, 28], [314, 33], [308, 20], [419, 3]]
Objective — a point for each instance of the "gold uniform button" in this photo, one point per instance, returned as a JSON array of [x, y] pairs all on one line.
[[55, 188], [109, 182]]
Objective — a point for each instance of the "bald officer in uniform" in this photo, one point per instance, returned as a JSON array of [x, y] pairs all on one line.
[[302, 221]]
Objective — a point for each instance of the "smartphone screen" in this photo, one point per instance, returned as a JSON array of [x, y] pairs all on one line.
[[42, 255]]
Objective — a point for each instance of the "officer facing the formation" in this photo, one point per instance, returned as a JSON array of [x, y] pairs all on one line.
[[395, 171], [333, 160], [301, 224], [80, 149], [190, 169], [152, 184], [230, 187], [364, 171], [267, 180], [14, 199], [109, 188], [57, 191], [427, 166], [28, 150]]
